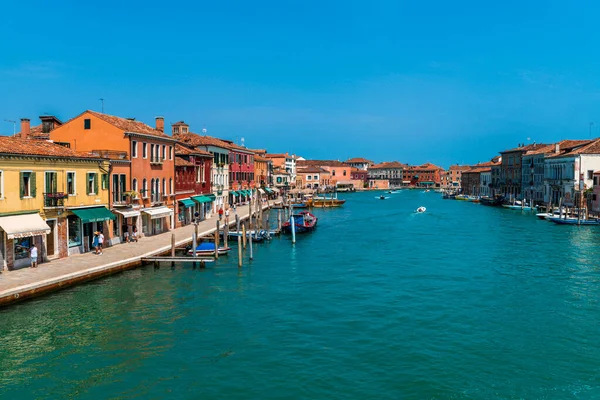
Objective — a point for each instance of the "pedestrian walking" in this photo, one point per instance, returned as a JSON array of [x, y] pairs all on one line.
[[33, 254], [220, 213], [100, 241], [227, 216], [95, 242]]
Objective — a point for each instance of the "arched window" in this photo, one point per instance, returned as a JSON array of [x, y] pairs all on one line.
[[145, 188], [164, 187], [171, 185], [134, 186]]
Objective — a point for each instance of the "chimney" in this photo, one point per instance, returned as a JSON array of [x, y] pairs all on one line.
[[557, 148], [160, 124], [25, 128]]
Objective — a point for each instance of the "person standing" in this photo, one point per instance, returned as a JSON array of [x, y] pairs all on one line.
[[134, 237], [227, 216], [100, 241], [95, 242], [220, 213], [33, 254]]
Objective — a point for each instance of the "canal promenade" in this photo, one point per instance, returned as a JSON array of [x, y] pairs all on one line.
[[58, 274]]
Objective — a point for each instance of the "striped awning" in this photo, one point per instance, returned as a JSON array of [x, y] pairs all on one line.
[[19, 226]]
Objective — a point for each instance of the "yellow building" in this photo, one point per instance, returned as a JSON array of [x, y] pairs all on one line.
[[52, 196]]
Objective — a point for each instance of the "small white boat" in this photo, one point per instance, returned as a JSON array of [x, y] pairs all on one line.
[[421, 210]]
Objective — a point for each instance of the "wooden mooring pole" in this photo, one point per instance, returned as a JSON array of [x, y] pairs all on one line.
[[172, 245], [217, 241]]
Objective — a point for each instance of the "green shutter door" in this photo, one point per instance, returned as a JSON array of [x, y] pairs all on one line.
[[87, 183], [21, 186], [96, 184], [32, 183]]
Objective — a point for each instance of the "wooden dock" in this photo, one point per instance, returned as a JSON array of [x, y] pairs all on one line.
[[177, 259]]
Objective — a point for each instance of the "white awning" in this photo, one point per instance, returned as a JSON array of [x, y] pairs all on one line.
[[158, 212], [128, 213], [19, 226], [405, 181], [275, 190], [261, 191]]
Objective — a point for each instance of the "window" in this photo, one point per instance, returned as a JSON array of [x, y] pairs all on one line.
[[74, 229], [71, 183], [316, 177], [308, 178], [145, 188], [590, 174], [87, 123], [27, 183], [333, 172], [164, 187], [175, 129], [92, 183], [152, 153], [595, 180], [104, 181], [198, 176], [164, 152], [344, 172], [171, 185], [145, 150], [170, 152], [134, 149], [134, 185]]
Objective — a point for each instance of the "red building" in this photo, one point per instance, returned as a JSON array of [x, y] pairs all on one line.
[[241, 172], [360, 175], [192, 180], [426, 175]]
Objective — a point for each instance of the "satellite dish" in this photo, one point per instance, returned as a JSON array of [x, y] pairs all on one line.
[[204, 130]]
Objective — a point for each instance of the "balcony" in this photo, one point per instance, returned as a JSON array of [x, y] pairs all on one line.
[[156, 161], [54, 200]]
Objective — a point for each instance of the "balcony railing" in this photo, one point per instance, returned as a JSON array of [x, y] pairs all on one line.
[[56, 199], [156, 160]]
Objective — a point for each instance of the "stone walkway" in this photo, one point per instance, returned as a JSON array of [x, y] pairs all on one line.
[[68, 269]]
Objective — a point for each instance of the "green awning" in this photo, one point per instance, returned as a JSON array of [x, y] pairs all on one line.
[[211, 196], [201, 199], [427, 183], [234, 193], [95, 214], [187, 203], [268, 190]]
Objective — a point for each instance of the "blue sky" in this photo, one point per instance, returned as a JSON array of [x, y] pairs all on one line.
[[439, 81]]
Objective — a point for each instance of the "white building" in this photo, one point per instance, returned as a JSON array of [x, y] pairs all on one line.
[[360, 163], [572, 162]]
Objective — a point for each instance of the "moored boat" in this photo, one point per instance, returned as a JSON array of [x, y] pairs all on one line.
[[208, 249], [491, 201], [573, 221], [303, 222], [463, 197]]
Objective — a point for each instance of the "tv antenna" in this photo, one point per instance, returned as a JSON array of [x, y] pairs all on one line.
[[14, 125], [102, 100]]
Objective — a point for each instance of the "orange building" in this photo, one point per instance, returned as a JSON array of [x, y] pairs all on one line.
[[426, 175], [338, 171], [142, 191], [261, 171]]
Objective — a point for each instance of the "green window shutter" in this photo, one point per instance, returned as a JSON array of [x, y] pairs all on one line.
[[96, 183], [104, 181], [87, 183], [32, 183], [22, 187]]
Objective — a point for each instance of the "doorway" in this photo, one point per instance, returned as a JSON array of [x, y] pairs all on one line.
[[51, 239]]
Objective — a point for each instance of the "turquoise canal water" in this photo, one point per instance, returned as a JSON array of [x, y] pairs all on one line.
[[463, 301]]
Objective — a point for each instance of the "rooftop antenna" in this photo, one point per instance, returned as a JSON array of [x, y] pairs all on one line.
[[14, 125], [102, 100], [242, 140]]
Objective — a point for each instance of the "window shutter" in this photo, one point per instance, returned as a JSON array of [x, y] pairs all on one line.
[[96, 183], [87, 183], [22, 187], [32, 183]]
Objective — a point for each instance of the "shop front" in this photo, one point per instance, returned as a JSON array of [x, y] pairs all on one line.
[[19, 233], [203, 207], [127, 220], [155, 220], [82, 224], [185, 211]]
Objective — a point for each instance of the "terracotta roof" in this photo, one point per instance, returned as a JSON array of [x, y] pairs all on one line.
[[528, 147], [267, 155], [129, 125], [14, 145], [184, 150], [458, 167], [591, 147], [182, 162], [388, 164], [429, 165], [260, 158], [311, 170], [360, 160], [198, 140], [321, 163]]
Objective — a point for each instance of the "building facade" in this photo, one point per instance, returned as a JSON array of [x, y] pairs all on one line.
[[48, 195], [192, 184], [391, 171], [360, 163], [142, 181]]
